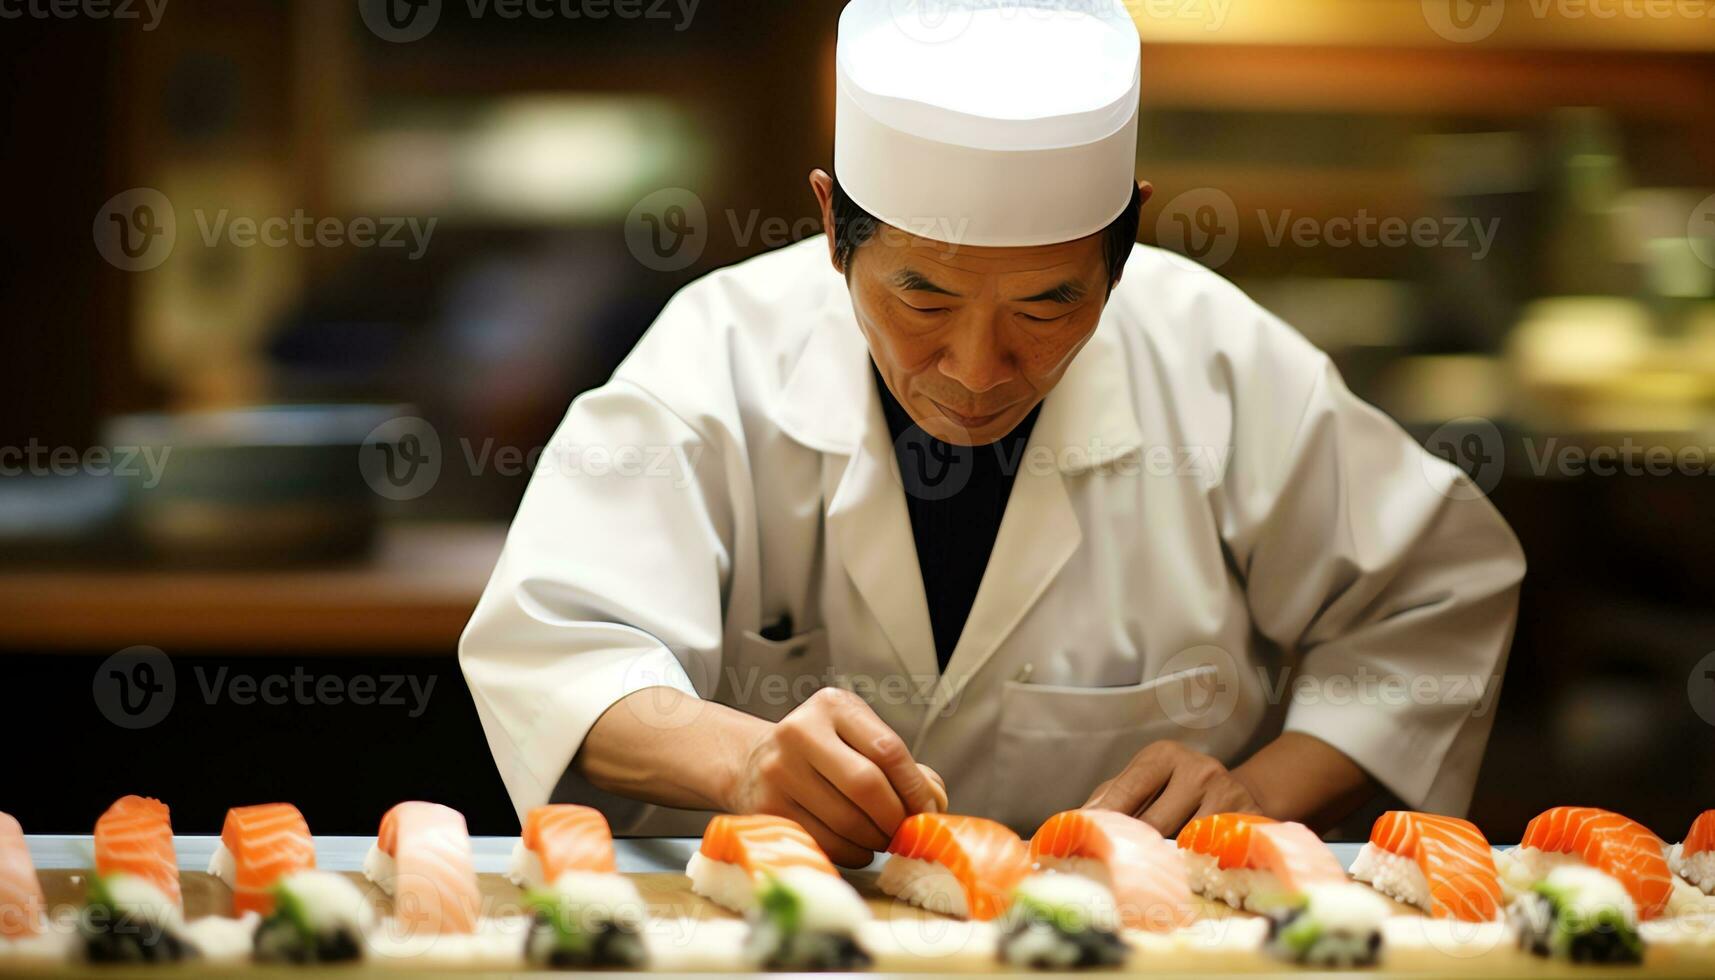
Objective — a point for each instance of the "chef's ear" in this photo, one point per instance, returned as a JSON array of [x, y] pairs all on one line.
[[823, 186]]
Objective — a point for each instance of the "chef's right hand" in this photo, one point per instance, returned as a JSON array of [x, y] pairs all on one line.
[[837, 769]]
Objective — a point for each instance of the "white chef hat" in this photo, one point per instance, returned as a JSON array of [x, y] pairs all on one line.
[[988, 122]]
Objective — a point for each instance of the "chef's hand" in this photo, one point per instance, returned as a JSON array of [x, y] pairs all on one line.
[[837, 769], [1168, 784]]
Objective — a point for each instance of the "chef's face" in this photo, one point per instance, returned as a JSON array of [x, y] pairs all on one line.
[[971, 339]]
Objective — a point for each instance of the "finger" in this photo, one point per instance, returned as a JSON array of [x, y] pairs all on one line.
[[938, 786], [811, 790], [839, 850], [1137, 785], [1177, 802], [859, 728], [858, 780]]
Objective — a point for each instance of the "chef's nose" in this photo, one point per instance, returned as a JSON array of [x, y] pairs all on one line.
[[975, 358]]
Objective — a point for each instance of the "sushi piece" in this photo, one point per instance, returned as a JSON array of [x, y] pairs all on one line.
[[21, 901], [802, 914], [316, 917], [258, 846], [1254, 863], [1442, 865], [962, 866], [1694, 858], [586, 920], [1612, 844], [1328, 925], [126, 918], [737, 851], [1580, 914], [1125, 855], [135, 837], [1061, 922], [422, 858], [558, 838]]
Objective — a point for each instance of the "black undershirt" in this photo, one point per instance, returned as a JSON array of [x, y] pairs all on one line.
[[956, 496]]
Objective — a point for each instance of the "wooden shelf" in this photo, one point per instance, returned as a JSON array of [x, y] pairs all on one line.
[[415, 594]]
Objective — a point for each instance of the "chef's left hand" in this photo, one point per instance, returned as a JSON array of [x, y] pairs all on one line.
[[1168, 784]]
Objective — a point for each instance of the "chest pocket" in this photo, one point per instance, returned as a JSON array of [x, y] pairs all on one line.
[[1056, 744], [768, 678]]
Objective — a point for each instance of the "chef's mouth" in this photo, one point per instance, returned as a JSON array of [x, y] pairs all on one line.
[[969, 421]]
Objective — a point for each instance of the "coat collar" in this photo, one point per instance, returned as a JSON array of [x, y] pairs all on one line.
[[829, 401]]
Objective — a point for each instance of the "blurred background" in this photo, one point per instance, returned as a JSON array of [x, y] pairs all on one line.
[[272, 237]]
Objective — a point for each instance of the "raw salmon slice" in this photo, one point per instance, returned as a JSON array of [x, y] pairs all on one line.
[[1454, 859], [21, 902], [1226, 837], [758, 843], [985, 859], [1141, 868], [1694, 858], [1610, 843], [265, 842], [1701, 836], [568, 837], [1295, 855], [135, 837], [434, 881]]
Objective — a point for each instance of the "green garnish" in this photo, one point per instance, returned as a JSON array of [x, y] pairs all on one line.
[[561, 917]]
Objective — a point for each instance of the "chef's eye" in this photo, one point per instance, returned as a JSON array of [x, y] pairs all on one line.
[[1044, 319], [926, 309]]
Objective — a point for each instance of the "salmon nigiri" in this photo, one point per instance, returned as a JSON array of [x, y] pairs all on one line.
[[739, 850], [958, 865], [1614, 845], [558, 838], [1141, 868], [422, 858], [135, 837], [21, 902], [1694, 857], [1243, 858], [1442, 865], [259, 845]]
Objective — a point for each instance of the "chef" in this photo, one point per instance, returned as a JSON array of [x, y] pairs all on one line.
[[974, 503]]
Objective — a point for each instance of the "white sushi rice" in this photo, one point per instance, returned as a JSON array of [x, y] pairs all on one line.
[[727, 885], [331, 902], [132, 896], [1346, 908], [1588, 893], [1082, 901], [220, 940], [1094, 870], [1521, 867], [603, 896], [684, 943], [1699, 868], [1393, 875], [525, 868], [497, 944], [53, 944], [380, 868], [924, 884], [1239, 887], [827, 902], [1419, 941], [912, 945], [223, 865]]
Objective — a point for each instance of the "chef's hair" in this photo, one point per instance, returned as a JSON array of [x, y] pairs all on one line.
[[853, 226]]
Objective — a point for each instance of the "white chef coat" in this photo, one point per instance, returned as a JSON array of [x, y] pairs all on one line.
[[1209, 537]]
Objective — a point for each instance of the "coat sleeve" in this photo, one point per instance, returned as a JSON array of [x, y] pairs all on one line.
[[1378, 564], [610, 582]]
